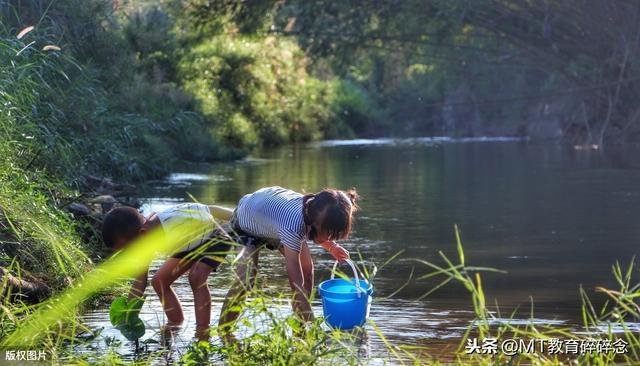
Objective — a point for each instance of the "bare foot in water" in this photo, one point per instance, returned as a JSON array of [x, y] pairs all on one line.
[[168, 333], [230, 340], [203, 333]]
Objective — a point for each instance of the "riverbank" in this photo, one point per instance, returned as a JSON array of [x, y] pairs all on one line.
[[65, 120]]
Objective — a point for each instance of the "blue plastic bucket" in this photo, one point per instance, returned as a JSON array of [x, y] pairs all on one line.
[[345, 303]]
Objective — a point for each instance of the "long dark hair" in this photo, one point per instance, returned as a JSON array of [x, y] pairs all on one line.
[[336, 207]]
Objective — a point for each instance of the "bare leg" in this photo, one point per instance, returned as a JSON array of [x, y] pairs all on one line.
[[293, 263], [246, 270], [162, 280], [201, 298], [306, 262]]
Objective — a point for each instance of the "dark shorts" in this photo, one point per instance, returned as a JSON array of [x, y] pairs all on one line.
[[223, 241], [246, 239]]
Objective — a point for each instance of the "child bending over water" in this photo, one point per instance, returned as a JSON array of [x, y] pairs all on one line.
[[286, 221], [123, 225]]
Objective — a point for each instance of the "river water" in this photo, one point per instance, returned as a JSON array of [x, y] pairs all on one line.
[[552, 217]]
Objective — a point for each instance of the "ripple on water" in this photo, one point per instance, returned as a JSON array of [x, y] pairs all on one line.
[[192, 177], [418, 140], [527, 321], [611, 327], [433, 328], [401, 321]]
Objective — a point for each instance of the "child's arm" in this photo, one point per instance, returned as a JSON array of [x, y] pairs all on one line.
[[337, 251], [306, 265], [139, 285], [301, 305]]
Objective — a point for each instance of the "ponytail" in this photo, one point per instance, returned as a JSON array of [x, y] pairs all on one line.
[[306, 201], [353, 198]]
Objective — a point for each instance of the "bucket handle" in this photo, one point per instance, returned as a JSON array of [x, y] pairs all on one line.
[[355, 273]]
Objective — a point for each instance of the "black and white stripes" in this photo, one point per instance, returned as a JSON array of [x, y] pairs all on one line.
[[274, 213]]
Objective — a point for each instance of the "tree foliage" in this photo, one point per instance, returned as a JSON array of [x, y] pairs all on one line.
[[513, 56]]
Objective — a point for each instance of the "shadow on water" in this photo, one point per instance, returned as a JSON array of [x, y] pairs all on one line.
[[554, 218]]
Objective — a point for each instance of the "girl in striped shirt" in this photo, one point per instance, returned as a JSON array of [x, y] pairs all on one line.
[[286, 220]]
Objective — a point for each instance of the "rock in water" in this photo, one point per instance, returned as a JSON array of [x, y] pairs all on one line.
[[79, 209], [107, 202]]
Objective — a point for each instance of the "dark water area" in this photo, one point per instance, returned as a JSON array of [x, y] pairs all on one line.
[[552, 217]]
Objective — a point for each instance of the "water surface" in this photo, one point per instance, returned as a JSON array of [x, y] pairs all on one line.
[[554, 218]]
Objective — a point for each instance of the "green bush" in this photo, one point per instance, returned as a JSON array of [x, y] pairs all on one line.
[[354, 113], [256, 90]]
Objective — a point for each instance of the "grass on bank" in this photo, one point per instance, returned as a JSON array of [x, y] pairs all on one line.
[[36, 236]]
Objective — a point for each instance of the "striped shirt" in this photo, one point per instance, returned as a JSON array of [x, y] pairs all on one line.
[[273, 213]]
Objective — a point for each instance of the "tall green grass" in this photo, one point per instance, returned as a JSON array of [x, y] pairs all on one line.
[[33, 151], [91, 104], [73, 102]]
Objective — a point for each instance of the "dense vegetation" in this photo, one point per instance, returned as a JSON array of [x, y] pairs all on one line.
[[65, 114]]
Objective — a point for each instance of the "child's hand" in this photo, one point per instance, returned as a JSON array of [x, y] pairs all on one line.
[[338, 252]]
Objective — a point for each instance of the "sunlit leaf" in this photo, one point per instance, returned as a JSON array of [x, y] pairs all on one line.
[[117, 311], [132, 330]]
